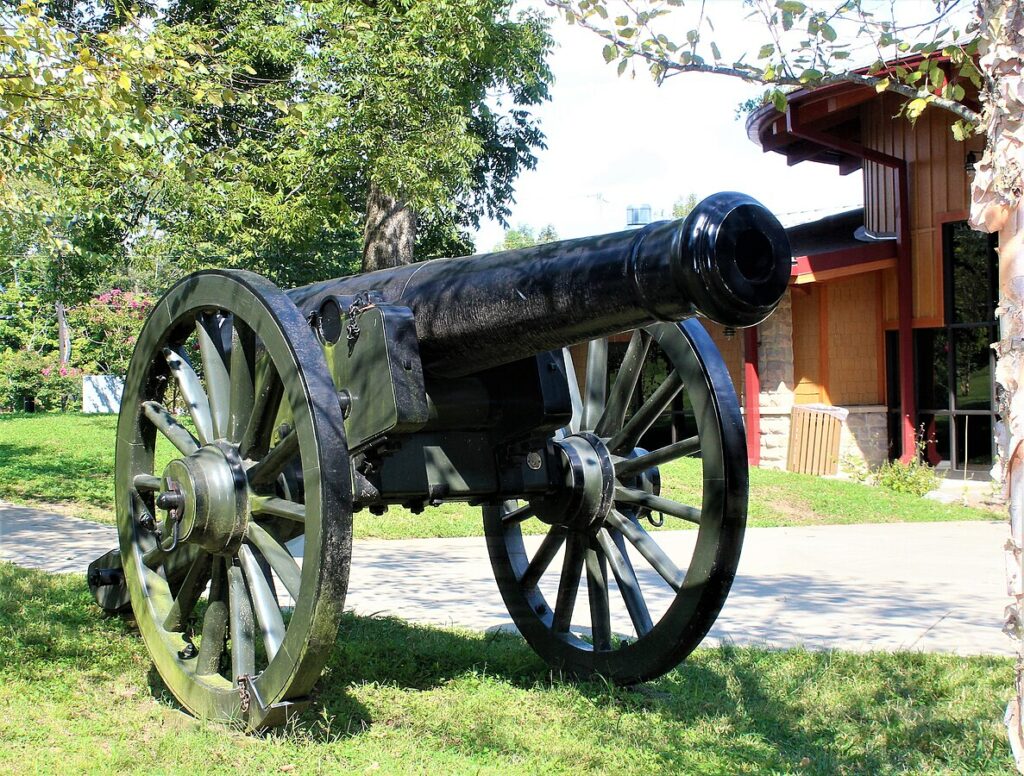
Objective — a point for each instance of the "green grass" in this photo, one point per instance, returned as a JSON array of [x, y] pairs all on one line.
[[79, 695], [68, 461]]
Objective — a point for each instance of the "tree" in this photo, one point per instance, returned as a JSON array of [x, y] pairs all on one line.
[[803, 47], [684, 205], [286, 118], [379, 127], [523, 236], [83, 94]]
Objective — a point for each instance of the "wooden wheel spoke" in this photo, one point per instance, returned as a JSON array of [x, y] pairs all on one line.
[[648, 548], [575, 397], [213, 332], [629, 435], [267, 395], [240, 617], [242, 378], [597, 378], [629, 585], [146, 482], [274, 462], [277, 555], [153, 558], [519, 515], [191, 589], [569, 582], [597, 593], [657, 504], [268, 614], [176, 434], [545, 554], [683, 447], [279, 507], [192, 392], [215, 622], [621, 393]]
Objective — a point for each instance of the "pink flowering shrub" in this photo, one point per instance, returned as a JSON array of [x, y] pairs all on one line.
[[31, 381], [106, 328]]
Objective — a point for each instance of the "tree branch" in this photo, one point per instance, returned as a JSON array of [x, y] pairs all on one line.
[[670, 67]]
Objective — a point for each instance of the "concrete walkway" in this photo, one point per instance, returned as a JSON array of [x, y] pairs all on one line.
[[936, 587]]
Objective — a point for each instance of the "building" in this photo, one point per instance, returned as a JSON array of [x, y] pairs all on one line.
[[890, 312]]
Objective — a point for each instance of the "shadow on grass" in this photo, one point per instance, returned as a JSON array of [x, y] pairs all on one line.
[[42, 474], [730, 689], [744, 706]]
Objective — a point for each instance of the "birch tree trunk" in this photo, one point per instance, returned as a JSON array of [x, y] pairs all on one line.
[[997, 206], [390, 231]]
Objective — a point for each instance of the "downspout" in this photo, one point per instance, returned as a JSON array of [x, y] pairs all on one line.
[[752, 396], [905, 290]]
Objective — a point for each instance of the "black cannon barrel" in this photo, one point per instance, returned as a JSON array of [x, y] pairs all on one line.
[[728, 260]]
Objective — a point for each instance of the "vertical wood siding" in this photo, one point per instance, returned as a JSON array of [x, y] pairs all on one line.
[[938, 184]]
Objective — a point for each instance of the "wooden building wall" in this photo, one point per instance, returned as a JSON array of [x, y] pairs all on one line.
[[837, 342], [854, 341], [808, 382], [938, 193]]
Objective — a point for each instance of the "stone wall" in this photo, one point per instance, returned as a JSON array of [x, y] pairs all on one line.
[[865, 435], [775, 361]]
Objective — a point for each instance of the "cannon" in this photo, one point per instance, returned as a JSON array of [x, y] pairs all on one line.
[[566, 389]]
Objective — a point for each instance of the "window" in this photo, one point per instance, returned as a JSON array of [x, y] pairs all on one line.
[[954, 365]]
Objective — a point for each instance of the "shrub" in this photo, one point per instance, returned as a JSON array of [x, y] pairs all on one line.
[[106, 328], [915, 477], [32, 381]]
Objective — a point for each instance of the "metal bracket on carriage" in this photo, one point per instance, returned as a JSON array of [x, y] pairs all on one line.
[[336, 308], [258, 715]]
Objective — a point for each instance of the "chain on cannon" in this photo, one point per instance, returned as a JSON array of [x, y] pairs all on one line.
[[445, 381]]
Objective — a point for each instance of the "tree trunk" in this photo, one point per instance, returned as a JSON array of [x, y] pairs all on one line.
[[390, 231], [63, 335], [997, 206]]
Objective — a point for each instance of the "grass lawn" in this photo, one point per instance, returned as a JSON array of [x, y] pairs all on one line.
[[79, 695], [68, 460]]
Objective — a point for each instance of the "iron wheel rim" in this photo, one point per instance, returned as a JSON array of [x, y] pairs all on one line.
[[711, 570], [291, 347]]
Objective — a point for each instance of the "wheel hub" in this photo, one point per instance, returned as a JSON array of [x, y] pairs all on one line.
[[207, 493], [589, 488]]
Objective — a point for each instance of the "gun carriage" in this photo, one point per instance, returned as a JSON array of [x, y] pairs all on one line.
[[449, 380]]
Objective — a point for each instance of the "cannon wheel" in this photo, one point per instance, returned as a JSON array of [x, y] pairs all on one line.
[[624, 642], [238, 629]]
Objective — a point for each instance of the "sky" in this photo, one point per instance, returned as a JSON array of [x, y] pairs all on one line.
[[616, 141]]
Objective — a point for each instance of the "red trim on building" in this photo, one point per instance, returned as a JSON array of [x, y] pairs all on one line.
[[843, 259]]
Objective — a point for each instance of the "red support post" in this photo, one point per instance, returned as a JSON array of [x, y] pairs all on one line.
[[752, 396]]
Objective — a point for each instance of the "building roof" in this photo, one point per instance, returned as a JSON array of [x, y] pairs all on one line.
[[837, 246], [834, 108]]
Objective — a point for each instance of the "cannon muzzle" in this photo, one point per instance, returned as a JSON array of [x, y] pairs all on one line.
[[728, 260]]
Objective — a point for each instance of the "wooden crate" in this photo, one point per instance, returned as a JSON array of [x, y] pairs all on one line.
[[813, 442]]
